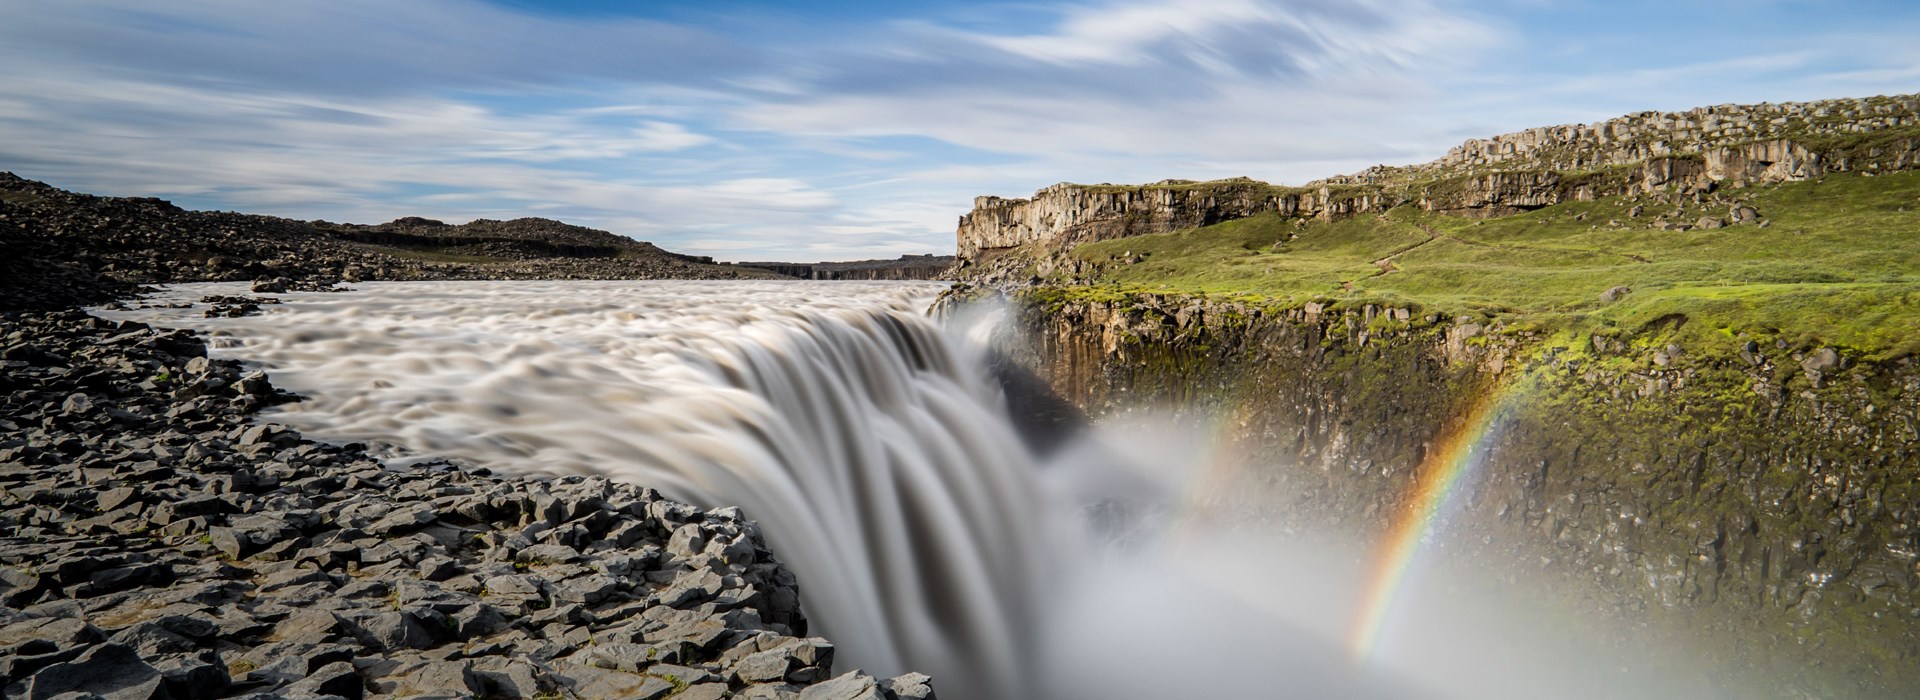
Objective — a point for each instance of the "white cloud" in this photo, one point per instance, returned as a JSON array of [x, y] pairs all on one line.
[[869, 143]]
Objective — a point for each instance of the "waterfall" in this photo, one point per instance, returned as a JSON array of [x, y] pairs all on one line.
[[872, 448], [876, 451]]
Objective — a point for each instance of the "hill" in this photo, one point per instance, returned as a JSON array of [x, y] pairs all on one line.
[[64, 247]]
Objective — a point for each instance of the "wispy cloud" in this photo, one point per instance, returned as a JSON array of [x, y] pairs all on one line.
[[839, 138]]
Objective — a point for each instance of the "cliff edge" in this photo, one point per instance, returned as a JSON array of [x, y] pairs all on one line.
[[1698, 150]]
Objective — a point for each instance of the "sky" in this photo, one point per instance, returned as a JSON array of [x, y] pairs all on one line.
[[810, 131]]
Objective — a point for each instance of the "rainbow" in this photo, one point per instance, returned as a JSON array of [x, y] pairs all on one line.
[[1462, 446]]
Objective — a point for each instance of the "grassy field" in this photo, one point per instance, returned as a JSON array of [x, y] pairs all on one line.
[[1837, 264]]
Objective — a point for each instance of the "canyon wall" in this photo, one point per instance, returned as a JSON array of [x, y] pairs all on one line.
[[1696, 150], [1761, 510]]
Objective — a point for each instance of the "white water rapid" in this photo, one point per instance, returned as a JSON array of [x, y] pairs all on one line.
[[877, 454]]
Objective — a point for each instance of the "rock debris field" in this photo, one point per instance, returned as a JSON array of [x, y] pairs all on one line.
[[159, 543]]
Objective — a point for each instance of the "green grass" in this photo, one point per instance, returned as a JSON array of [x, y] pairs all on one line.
[[1838, 265]]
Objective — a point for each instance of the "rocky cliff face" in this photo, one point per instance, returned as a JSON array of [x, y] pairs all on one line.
[[1692, 151], [1066, 213], [1761, 508]]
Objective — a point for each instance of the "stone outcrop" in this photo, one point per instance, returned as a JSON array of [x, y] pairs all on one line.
[[1765, 502], [1067, 214], [1696, 150]]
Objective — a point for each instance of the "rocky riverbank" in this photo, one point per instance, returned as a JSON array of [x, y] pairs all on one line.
[[161, 543]]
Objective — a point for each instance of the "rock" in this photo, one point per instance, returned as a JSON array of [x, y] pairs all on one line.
[[598, 684], [77, 404], [1709, 223], [477, 620], [1613, 294], [150, 640], [405, 519], [60, 631], [277, 285], [308, 627], [110, 671], [547, 554], [691, 588], [854, 685], [586, 590], [764, 667], [112, 499], [516, 585], [519, 678], [200, 675], [337, 679], [449, 677], [620, 656], [1822, 360], [911, 686], [392, 630], [703, 691]]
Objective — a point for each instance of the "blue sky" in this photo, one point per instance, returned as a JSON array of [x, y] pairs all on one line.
[[821, 130]]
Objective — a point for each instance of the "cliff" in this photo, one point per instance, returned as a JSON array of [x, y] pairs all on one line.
[[1698, 150], [1757, 510], [1067, 214]]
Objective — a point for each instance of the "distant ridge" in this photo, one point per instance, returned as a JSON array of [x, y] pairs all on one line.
[[64, 248]]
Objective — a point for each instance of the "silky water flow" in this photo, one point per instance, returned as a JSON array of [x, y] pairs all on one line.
[[875, 448]]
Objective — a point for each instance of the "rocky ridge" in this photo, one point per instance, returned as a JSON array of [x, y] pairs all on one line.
[[905, 267], [64, 246], [1686, 153], [161, 544]]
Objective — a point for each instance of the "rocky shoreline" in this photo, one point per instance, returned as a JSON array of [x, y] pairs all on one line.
[[161, 543]]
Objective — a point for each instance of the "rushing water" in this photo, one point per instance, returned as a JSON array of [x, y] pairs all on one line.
[[877, 453]]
